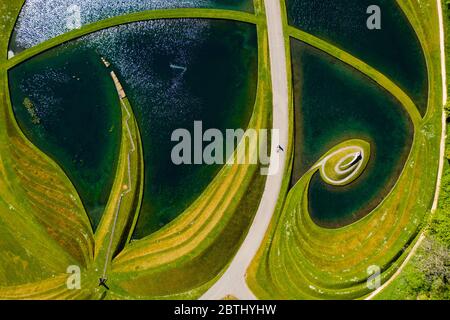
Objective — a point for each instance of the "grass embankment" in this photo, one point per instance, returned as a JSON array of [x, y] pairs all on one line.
[[56, 213], [43, 225], [427, 274], [301, 260], [129, 18], [181, 260], [125, 199]]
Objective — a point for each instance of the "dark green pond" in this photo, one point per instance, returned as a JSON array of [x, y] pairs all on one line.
[[73, 115], [41, 20], [217, 87], [394, 50], [334, 103]]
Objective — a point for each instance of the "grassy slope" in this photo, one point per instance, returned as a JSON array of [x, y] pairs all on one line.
[[129, 18], [221, 228], [48, 208], [411, 283], [43, 225], [302, 260], [125, 199]]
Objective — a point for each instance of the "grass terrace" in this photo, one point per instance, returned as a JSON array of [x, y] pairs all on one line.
[[301, 260], [50, 230]]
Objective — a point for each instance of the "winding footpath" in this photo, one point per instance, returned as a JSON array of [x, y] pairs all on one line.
[[233, 281], [442, 152]]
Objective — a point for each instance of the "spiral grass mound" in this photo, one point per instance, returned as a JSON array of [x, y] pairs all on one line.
[[301, 259], [344, 163], [306, 261]]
